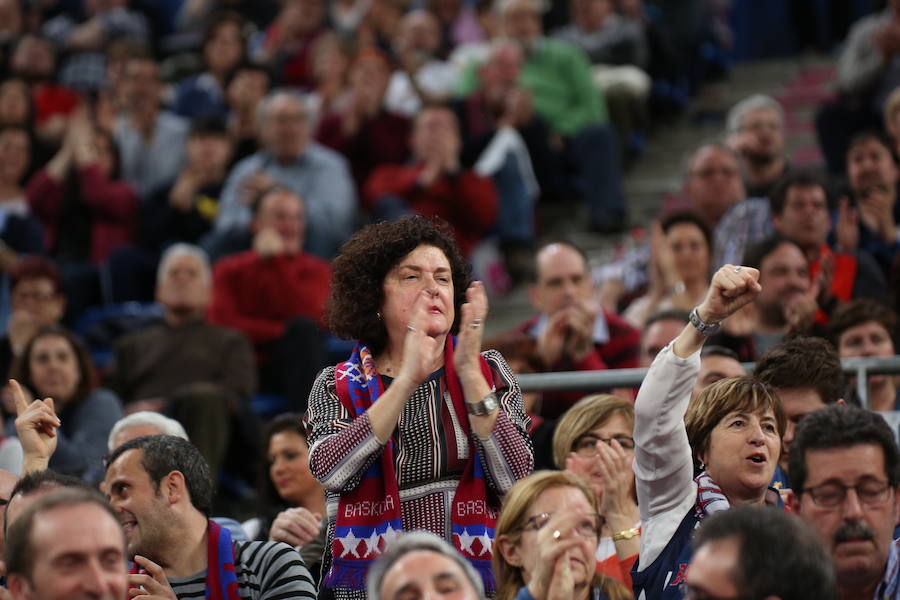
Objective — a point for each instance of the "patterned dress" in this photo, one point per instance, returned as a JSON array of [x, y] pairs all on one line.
[[430, 453]]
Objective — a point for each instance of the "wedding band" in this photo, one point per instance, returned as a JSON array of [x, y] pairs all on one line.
[[410, 327], [738, 269], [475, 325], [557, 534]]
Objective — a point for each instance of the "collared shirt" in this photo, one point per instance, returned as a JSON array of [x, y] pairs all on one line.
[[889, 587], [745, 223], [148, 164], [320, 176]]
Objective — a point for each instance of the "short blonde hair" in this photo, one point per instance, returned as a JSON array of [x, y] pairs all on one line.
[[733, 394], [511, 522], [588, 413]]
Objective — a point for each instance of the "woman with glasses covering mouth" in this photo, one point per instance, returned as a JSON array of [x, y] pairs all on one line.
[[593, 440], [546, 539], [696, 458]]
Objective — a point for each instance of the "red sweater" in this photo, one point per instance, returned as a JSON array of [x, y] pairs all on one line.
[[620, 352], [260, 295], [467, 201], [113, 206], [382, 139]]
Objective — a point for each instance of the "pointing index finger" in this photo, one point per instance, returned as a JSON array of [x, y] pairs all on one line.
[[18, 396]]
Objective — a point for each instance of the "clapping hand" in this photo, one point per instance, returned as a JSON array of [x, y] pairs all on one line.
[[421, 351], [471, 327], [846, 229], [552, 578]]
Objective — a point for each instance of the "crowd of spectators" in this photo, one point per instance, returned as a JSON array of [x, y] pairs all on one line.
[[202, 201]]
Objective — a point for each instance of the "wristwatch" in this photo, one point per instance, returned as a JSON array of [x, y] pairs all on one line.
[[705, 329], [485, 406]]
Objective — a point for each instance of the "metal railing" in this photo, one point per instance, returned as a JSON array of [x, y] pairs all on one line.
[[590, 381]]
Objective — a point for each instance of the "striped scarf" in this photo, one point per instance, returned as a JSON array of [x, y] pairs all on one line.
[[369, 517], [710, 497]]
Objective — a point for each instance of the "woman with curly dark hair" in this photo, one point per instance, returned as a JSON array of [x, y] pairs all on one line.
[[417, 429]]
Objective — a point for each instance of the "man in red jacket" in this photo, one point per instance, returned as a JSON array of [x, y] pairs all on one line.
[[275, 293], [435, 184], [573, 332]]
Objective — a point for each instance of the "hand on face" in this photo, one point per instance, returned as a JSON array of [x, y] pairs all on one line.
[[267, 242], [800, 311], [22, 326], [847, 227], [876, 209], [421, 351], [613, 463], [253, 186], [552, 340], [561, 551], [150, 585], [580, 338]]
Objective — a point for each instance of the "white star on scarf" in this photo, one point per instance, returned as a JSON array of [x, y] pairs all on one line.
[[465, 541], [389, 536], [372, 543], [349, 543], [486, 543]]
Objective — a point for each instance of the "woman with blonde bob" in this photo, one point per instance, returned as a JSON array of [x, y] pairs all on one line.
[[593, 440], [546, 537], [730, 434]]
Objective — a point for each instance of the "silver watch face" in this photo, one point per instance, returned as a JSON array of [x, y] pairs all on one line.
[[490, 403]]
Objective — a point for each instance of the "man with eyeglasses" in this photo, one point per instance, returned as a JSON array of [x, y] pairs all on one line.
[[844, 471], [713, 184], [756, 132]]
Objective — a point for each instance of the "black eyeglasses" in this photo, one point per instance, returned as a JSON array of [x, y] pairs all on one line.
[[832, 494], [586, 445], [588, 526]]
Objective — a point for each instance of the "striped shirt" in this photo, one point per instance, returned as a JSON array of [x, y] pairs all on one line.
[[265, 571]]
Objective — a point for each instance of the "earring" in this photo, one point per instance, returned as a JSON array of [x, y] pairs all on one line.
[[378, 314], [702, 466]]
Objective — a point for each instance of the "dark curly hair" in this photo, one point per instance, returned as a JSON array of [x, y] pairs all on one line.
[[357, 291]]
